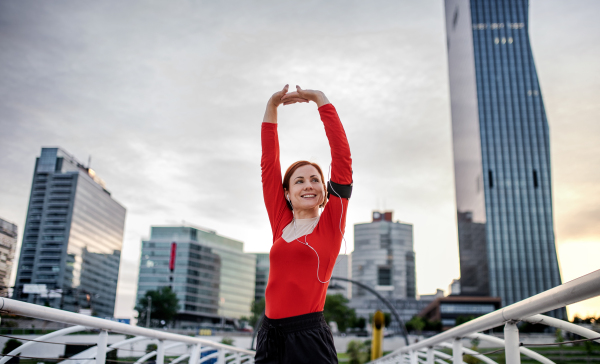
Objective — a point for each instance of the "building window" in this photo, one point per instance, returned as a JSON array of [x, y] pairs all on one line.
[[491, 178], [384, 276], [535, 179]]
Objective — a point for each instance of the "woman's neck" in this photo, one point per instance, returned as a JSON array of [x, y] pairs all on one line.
[[306, 214]]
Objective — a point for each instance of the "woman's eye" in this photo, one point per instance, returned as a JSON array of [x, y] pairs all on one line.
[[298, 181], [315, 180]]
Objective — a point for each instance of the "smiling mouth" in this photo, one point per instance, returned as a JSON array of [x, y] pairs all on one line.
[[308, 196]]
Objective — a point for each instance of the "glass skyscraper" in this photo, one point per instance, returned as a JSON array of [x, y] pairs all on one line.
[[212, 276], [72, 238], [501, 151]]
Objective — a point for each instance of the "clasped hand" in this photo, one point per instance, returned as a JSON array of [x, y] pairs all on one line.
[[298, 96]]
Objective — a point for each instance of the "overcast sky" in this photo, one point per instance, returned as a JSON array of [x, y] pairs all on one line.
[[168, 97]]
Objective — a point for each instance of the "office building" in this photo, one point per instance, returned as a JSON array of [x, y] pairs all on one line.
[[262, 275], [72, 238], [341, 269], [384, 258], [212, 276], [8, 245], [501, 151], [454, 310]]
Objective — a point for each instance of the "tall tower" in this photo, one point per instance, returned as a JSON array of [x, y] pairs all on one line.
[[72, 238], [501, 151]]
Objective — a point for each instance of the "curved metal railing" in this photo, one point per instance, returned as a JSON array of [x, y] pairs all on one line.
[[194, 346], [528, 310]]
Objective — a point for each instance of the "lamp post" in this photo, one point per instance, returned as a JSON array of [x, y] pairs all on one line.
[[149, 311]]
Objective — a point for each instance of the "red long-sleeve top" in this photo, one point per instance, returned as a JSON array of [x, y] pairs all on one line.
[[293, 288]]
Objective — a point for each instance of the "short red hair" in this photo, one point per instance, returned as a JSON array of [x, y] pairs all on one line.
[[290, 171]]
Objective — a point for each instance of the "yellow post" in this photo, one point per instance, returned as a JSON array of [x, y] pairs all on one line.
[[377, 342]]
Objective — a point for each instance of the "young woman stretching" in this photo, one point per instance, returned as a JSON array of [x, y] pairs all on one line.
[[305, 244]]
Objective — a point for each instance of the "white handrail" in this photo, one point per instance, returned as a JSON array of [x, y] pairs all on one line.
[[563, 325], [61, 332], [483, 358], [527, 352], [579, 289], [52, 314]]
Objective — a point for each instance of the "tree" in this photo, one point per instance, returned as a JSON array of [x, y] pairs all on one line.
[[227, 341], [357, 352], [417, 323], [472, 359], [11, 345], [360, 323], [336, 309], [257, 308], [164, 306], [462, 319]]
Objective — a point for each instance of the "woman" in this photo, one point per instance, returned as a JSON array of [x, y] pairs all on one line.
[[305, 243]]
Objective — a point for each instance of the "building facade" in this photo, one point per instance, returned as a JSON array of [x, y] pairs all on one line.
[[501, 150], [341, 269], [212, 277], [72, 238], [262, 275], [8, 246], [384, 258]]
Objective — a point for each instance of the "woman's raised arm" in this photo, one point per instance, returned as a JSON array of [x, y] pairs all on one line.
[[279, 214]]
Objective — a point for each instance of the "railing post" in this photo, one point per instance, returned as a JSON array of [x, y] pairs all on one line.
[[221, 357], [195, 355], [511, 343], [101, 351], [457, 351], [413, 357], [430, 356], [160, 352]]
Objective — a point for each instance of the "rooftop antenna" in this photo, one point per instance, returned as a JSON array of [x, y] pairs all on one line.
[[89, 161]]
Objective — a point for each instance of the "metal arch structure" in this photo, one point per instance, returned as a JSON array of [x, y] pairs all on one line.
[[82, 323], [530, 309], [385, 302]]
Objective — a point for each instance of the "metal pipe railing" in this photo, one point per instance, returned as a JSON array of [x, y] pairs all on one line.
[[84, 322], [51, 314], [577, 290]]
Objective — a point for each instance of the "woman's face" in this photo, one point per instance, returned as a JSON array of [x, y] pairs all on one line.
[[306, 188]]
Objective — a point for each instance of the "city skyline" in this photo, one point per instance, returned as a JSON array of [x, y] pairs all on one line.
[[170, 112]]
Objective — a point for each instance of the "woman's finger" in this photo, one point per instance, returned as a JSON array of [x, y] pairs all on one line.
[[291, 94]]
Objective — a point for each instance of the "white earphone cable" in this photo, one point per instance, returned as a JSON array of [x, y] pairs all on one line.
[[313, 227]]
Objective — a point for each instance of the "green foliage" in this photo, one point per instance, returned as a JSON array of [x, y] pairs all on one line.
[[164, 306], [360, 323], [587, 320], [336, 309], [416, 323], [472, 359], [388, 319], [227, 341], [559, 338], [435, 325], [357, 352], [151, 347], [462, 319], [11, 345], [257, 308]]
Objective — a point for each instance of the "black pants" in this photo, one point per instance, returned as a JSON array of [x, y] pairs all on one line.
[[295, 340]]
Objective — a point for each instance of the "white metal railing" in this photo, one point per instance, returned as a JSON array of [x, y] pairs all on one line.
[[528, 310], [194, 347]]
